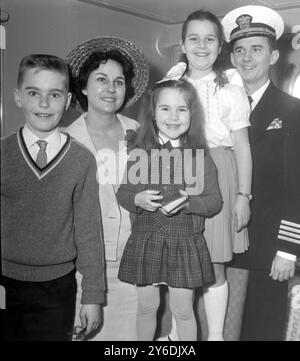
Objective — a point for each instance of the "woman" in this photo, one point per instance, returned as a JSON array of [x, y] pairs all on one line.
[[109, 74]]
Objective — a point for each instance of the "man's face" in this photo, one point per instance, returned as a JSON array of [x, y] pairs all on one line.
[[252, 58]]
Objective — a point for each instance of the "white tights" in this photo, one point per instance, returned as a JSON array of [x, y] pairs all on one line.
[[181, 305]]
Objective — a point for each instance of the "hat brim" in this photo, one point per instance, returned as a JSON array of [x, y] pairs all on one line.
[[77, 57], [259, 14]]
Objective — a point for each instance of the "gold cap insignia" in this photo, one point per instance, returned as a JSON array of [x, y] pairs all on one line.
[[244, 21]]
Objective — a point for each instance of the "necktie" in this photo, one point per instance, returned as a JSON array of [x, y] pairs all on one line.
[[41, 159], [250, 99]]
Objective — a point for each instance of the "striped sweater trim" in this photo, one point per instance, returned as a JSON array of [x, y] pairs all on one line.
[[42, 172], [289, 231]]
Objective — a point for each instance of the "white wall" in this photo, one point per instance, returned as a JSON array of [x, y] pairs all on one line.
[[55, 27], [291, 17]]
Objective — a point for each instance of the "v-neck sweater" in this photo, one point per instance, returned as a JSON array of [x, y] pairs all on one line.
[[50, 217]]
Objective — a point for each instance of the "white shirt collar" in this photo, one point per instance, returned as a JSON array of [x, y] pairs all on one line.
[[55, 142], [256, 96], [163, 139], [54, 139], [29, 137]]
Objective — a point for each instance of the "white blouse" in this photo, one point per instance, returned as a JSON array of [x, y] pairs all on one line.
[[225, 109]]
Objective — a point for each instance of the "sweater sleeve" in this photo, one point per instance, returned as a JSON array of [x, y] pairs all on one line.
[[127, 191], [209, 202], [89, 237]]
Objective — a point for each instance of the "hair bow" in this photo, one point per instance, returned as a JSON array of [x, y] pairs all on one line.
[[175, 73]]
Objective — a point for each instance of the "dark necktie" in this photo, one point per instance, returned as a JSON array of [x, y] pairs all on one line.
[[41, 159], [250, 100]]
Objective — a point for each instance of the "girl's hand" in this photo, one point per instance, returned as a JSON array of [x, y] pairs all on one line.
[[176, 210], [148, 200], [241, 213]]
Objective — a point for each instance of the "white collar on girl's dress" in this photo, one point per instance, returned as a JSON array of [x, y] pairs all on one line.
[[163, 139], [208, 77]]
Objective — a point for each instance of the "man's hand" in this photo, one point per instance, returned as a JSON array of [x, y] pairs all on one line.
[[90, 316], [282, 269]]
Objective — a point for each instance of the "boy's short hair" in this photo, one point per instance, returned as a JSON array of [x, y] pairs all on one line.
[[43, 61]]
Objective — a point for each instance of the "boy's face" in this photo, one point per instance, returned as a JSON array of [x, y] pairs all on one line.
[[43, 97]]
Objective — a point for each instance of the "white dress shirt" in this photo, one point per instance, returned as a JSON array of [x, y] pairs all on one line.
[[256, 96], [55, 142]]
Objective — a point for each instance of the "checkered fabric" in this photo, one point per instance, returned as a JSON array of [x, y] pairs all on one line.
[[166, 249]]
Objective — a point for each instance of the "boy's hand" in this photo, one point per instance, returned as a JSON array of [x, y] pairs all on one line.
[[90, 316], [147, 200]]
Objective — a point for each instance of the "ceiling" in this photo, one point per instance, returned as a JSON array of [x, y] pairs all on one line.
[[175, 11]]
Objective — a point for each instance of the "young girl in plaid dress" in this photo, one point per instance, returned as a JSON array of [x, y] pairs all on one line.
[[168, 248]]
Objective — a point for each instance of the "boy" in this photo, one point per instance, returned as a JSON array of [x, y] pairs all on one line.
[[50, 213]]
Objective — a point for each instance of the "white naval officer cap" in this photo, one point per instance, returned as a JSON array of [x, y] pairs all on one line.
[[252, 20]]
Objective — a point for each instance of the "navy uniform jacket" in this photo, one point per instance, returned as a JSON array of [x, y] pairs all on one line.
[[275, 219]]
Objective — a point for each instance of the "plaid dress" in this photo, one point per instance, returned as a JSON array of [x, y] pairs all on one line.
[[164, 249]]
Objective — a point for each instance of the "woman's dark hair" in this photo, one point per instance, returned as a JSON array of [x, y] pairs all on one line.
[[220, 63], [92, 63], [147, 136]]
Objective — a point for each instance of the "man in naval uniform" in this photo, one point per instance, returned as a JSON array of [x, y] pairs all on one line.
[[274, 228]]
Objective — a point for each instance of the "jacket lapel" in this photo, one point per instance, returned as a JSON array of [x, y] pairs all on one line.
[[78, 130], [264, 113]]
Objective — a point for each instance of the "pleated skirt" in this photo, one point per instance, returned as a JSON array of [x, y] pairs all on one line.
[[172, 260], [221, 238]]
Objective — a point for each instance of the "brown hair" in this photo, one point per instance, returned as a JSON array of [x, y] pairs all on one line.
[[220, 63], [43, 61], [92, 63], [147, 136]]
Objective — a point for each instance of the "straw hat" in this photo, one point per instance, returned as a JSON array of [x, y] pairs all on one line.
[[77, 57]]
